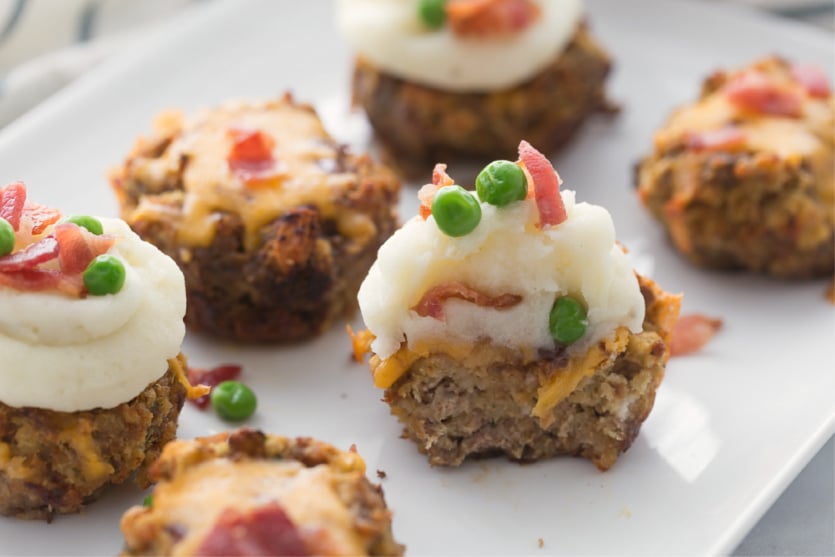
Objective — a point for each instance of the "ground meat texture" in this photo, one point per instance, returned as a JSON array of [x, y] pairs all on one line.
[[301, 268], [56, 462], [300, 476], [418, 125], [766, 205], [481, 405], [750, 211]]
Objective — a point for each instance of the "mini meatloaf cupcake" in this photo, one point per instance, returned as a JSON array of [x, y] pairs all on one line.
[[91, 321], [247, 493], [743, 178], [273, 223], [511, 322], [469, 78]]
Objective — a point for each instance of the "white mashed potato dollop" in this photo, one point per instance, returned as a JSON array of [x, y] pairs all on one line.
[[390, 34], [506, 254], [71, 354]]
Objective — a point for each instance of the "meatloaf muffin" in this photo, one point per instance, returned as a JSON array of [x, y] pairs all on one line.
[[743, 178], [247, 493], [474, 78], [527, 335], [272, 222], [91, 386]]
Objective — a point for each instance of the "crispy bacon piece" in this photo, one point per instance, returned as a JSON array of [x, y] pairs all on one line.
[[40, 216], [432, 302], [251, 157], [546, 185], [32, 280], [12, 200], [692, 332], [211, 378], [757, 92], [729, 138], [427, 193], [486, 18], [813, 80], [264, 530], [31, 256], [77, 247]]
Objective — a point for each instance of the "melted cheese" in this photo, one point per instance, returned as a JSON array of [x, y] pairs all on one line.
[[308, 496], [304, 156], [563, 383]]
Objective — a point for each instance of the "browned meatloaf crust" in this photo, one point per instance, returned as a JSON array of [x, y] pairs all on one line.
[[764, 208], [483, 404], [418, 125], [324, 492], [281, 261], [55, 462]]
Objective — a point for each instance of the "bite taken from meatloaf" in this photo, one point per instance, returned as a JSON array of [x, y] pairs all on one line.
[[516, 326], [273, 223], [744, 178], [250, 493]]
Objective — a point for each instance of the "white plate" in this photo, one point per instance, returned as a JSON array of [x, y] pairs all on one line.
[[732, 425]]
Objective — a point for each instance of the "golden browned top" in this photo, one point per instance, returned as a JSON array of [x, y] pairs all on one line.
[[313, 482], [307, 169], [808, 132]]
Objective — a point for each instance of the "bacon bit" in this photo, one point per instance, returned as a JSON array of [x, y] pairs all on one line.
[[427, 193], [432, 302], [546, 185], [490, 18], [692, 332], [353, 448], [729, 138], [757, 92], [31, 256], [360, 342], [264, 530], [39, 215], [813, 80], [77, 246], [251, 158], [381, 474], [211, 378], [31, 280], [12, 199]]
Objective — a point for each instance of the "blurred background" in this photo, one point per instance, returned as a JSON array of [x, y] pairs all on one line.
[[45, 44]]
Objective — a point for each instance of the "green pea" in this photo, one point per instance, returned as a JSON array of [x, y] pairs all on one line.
[[234, 401], [7, 237], [90, 223], [104, 275], [148, 501], [432, 13], [567, 321], [501, 183], [456, 211]]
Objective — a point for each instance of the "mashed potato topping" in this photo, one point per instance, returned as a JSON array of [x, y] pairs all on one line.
[[70, 354], [390, 34], [506, 254]]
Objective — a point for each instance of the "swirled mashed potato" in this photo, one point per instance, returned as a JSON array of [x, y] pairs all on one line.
[[506, 254], [69, 354], [390, 34]]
